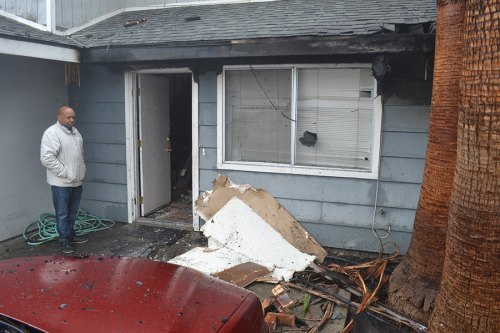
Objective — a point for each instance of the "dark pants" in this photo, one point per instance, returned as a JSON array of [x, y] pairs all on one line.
[[66, 203]]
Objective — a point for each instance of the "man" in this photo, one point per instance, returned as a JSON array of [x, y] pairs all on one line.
[[61, 152]]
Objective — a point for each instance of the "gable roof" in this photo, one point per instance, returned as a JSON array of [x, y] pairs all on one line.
[[282, 18]]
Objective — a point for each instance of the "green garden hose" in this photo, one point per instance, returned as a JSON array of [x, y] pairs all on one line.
[[44, 229]]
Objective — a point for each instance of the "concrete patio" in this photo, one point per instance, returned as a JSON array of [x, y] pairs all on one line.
[[127, 240]]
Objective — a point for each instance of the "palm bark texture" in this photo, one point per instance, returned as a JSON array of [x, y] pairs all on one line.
[[414, 283], [469, 296]]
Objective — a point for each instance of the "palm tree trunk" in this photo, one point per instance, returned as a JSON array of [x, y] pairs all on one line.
[[469, 296], [414, 283]]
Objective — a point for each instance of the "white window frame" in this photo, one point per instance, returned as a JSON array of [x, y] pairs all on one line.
[[290, 168]]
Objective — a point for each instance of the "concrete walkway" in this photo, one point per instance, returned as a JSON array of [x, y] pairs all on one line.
[[126, 240]]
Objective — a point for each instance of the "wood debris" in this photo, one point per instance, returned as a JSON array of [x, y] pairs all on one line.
[[243, 274], [363, 282], [282, 297]]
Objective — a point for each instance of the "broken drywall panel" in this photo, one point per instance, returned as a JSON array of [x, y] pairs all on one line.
[[266, 206], [238, 227], [210, 261]]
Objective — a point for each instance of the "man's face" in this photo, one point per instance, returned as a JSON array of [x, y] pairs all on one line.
[[67, 117]]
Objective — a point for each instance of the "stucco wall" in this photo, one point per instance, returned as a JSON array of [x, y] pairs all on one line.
[[31, 90]]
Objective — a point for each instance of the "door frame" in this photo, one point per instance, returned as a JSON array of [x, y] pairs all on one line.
[[132, 140]]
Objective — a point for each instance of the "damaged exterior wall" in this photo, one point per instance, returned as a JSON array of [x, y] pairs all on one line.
[[31, 91], [265, 206], [338, 211]]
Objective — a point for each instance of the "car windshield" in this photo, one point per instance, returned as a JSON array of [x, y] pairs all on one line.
[[8, 325]]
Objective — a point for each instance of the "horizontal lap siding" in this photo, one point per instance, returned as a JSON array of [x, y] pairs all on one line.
[[73, 13], [31, 90], [100, 105], [33, 10], [338, 211], [356, 238]]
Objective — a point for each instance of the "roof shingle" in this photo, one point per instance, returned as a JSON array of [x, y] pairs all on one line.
[[281, 18], [12, 29]]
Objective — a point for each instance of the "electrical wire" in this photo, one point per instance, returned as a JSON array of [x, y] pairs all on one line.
[[267, 96], [44, 229]]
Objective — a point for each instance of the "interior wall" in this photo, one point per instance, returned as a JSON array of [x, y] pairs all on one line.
[[31, 90]]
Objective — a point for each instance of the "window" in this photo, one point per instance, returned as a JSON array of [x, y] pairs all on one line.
[[300, 119]]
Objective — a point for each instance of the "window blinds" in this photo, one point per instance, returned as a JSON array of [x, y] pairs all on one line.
[[334, 110], [257, 113], [336, 105]]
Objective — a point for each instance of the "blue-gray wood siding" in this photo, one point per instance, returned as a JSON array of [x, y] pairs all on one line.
[[31, 90], [100, 106], [33, 10], [74, 13], [338, 212]]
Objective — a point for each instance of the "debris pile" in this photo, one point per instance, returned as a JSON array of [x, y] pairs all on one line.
[[244, 224], [254, 241]]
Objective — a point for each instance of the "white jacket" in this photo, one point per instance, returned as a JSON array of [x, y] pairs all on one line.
[[61, 152]]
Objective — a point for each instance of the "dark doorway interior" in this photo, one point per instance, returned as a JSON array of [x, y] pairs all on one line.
[[181, 134], [180, 208]]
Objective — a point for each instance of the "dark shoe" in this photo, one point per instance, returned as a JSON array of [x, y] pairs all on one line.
[[78, 240], [67, 248]]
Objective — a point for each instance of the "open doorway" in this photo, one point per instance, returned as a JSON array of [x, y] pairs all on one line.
[[164, 160]]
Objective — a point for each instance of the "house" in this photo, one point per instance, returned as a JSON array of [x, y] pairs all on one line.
[[325, 104]]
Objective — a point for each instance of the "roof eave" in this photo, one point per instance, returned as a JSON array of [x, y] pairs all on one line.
[[264, 47], [37, 49]]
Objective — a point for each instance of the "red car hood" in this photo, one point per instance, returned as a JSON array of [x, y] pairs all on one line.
[[64, 294]]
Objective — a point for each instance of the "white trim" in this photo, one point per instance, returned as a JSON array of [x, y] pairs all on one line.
[[221, 123], [131, 140], [180, 70], [297, 169], [377, 131], [293, 115], [191, 3], [50, 15], [195, 152], [23, 21], [96, 20], [153, 7], [131, 146], [36, 50], [299, 66]]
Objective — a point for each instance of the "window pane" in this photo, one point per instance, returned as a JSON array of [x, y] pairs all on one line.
[[334, 118], [257, 115]]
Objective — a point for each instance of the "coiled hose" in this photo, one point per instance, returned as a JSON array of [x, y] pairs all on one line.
[[44, 229]]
